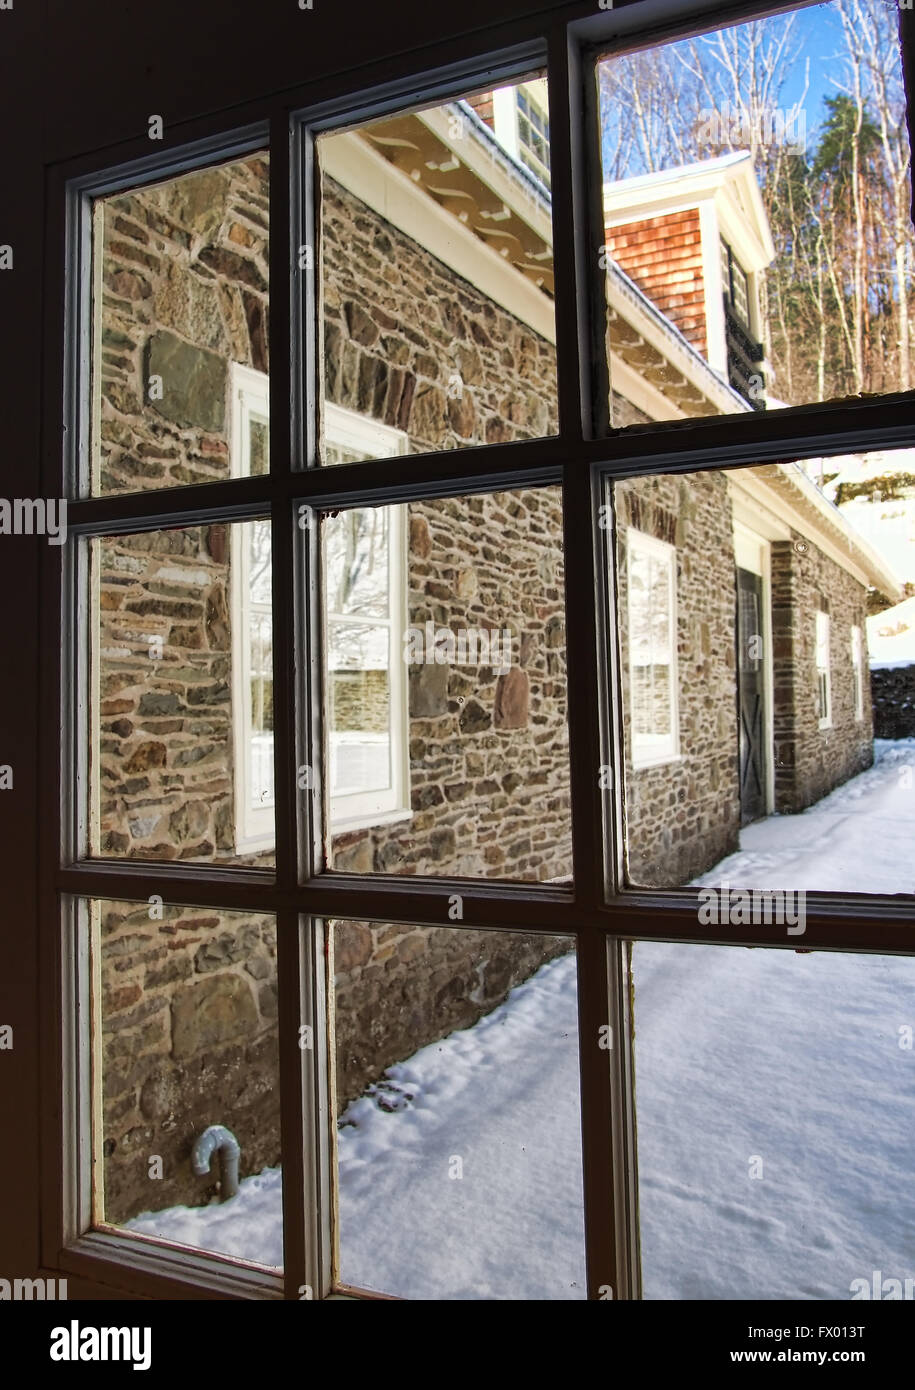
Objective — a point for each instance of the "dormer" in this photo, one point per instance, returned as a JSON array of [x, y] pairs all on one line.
[[696, 241]]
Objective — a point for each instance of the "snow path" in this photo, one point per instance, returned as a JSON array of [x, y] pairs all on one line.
[[746, 1062], [859, 839]]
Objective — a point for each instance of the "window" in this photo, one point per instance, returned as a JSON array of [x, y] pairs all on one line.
[[365, 617], [736, 285], [522, 124], [413, 344], [365, 614], [824, 687], [857, 662], [652, 634]]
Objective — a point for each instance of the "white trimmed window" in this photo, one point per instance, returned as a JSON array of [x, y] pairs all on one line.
[[365, 618], [651, 568], [736, 284], [824, 680], [522, 125], [857, 662], [251, 623]]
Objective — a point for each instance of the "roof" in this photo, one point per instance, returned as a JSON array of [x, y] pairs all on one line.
[[729, 181], [891, 636]]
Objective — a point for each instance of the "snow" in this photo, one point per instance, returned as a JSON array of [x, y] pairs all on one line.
[[821, 849], [790, 1066], [891, 636], [888, 526]]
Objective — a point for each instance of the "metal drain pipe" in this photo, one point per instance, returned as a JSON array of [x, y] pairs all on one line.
[[218, 1139]]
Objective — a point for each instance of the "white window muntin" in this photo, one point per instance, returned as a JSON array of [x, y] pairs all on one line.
[[251, 611], [857, 661], [656, 644]]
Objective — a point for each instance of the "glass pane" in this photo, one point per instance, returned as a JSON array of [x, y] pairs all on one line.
[[357, 558], [180, 319], [448, 722], [759, 750], [458, 1132], [775, 1166], [437, 276], [186, 1011], [181, 722], [757, 212]]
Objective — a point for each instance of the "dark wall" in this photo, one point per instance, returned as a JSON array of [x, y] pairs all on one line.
[[893, 696]]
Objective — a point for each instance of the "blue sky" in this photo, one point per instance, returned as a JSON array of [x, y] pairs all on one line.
[[818, 38]]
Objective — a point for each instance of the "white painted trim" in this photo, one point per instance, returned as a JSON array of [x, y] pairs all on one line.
[[631, 200], [505, 119], [752, 552], [815, 517], [640, 540], [365, 173], [255, 826], [362, 810], [506, 178], [715, 337], [627, 382], [752, 504]]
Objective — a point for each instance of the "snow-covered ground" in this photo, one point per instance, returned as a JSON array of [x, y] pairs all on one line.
[[775, 1100], [859, 839]]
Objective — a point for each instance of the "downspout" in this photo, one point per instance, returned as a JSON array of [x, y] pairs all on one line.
[[220, 1140]]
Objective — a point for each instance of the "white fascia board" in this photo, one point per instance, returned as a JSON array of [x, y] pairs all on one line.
[[716, 344], [395, 197], [626, 381], [752, 505], [869, 560], [640, 211], [752, 251], [767, 510]]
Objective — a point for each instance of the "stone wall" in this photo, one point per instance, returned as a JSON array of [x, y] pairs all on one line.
[[165, 754], [810, 761], [893, 697], [684, 815], [408, 342], [488, 751], [398, 988], [188, 1024], [183, 293], [188, 1005]]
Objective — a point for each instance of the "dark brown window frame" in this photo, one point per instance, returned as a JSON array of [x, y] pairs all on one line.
[[587, 454]]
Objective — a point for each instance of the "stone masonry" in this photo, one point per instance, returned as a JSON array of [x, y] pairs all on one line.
[[684, 815], [184, 293], [810, 761], [188, 1001], [893, 696]]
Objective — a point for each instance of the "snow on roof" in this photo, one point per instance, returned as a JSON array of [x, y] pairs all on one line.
[[698, 169], [891, 636]]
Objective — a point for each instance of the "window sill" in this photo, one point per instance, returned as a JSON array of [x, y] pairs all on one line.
[[345, 827], [660, 761]]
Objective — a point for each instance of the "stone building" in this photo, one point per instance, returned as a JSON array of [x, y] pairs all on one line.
[[739, 595]]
